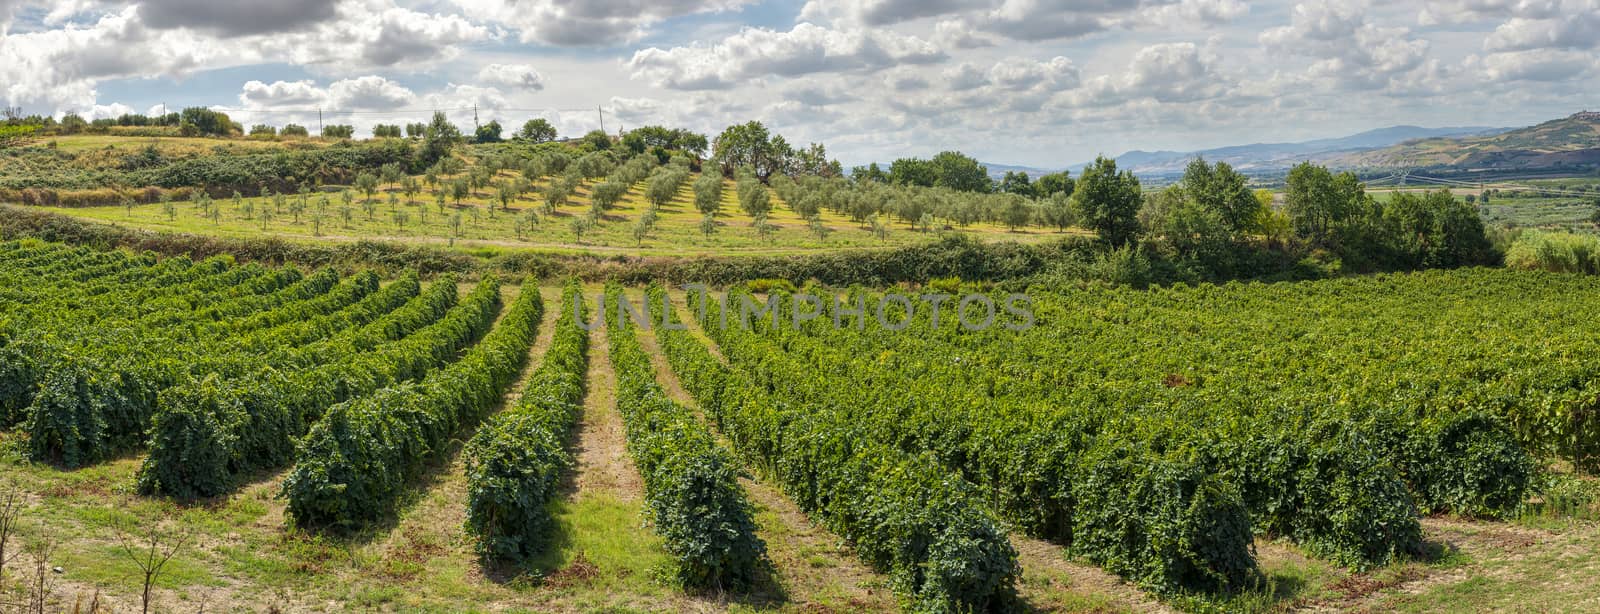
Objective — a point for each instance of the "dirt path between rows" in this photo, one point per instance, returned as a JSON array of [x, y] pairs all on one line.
[[810, 561], [602, 440]]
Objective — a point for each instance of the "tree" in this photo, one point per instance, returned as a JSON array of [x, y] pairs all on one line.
[[1109, 201], [556, 195], [597, 140], [368, 184], [1221, 190], [1318, 202], [1053, 183], [390, 174], [750, 145], [294, 130], [961, 172], [11, 506], [439, 138], [410, 188], [607, 194], [537, 130], [488, 133], [506, 193], [385, 131], [1017, 182], [664, 186], [1187, 225], [870, 172], [764, 229], [338, 131], [459, 190], [643, 226], [263, 130], [913, 171], [708, 224], [1016, 213], [416, 130], [206, 121], [1058, 210], [754, 199], [581, 225], [814, 223], [708, 193]]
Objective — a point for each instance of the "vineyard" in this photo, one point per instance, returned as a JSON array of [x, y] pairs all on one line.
[[399, 443]]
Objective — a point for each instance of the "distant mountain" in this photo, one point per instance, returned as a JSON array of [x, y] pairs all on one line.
[[997, 171], [1572, 141], [1261, 157]]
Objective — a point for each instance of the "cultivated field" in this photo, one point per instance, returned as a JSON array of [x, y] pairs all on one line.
[[316, 441]]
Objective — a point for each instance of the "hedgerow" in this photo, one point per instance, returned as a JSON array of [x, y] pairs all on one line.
[[927, 529], [515, 461], [354, 464], [200, 446], [690, 481]]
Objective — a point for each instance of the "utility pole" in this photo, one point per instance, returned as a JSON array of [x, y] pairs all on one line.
[[319, 122], [475, 125], [602, 117]]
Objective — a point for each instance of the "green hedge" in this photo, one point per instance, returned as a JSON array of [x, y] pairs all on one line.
[[200, 445], [515, 461], [354, 464], [691, 482], [926, 528]]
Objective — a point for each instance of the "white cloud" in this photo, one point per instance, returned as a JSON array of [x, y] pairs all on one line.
[[60, 67], [964, 76], [759, 52], [368, 93], [516, 76], [1165, 73], [883, 12], [282, 94], [402, 35], [953, 34], [1190, 12], [1348, 50], [586, 23], [107, 111], [1546, 65], [1579, 30], [1017, 74]]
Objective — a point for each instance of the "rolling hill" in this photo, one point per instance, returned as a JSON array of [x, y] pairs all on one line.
[[1573, 141]]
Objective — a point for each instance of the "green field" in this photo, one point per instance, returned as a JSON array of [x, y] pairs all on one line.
[[1174, 390]]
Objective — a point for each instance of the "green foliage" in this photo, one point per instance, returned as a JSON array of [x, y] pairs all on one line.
[[488, 133], [270, 407], [1555, 251], [355, 462], [514, 463], [1109, 201], [537, 130], [690, 481], [903, 516]]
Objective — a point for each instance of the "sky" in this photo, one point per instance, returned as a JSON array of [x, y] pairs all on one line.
[[1042, 83]]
